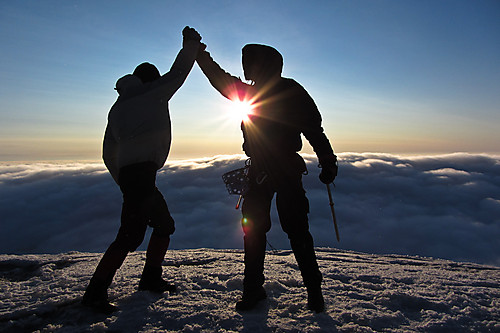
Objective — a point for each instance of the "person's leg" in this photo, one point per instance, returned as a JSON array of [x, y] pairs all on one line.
[[130, 235], [256, 222], [163, 225], [303, 249], [293, 208], [157, 248]]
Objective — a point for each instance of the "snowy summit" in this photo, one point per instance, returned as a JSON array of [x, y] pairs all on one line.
[[363, 293]]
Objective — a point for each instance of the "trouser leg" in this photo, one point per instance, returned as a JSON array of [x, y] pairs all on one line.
[[157, 248], [255, 250], [151, 278], [293, 208], [256, 222], [110, 262], [137, 182], [96, 293], [163, 225], [303, 249]]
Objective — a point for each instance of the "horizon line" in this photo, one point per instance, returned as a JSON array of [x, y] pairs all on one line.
[[243, 156]]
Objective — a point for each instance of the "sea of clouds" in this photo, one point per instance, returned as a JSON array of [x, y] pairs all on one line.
[[445, 206]]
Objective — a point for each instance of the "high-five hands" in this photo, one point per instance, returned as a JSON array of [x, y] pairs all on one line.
[[190, 34]]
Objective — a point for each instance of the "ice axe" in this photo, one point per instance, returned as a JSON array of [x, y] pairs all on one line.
[[333, 211]]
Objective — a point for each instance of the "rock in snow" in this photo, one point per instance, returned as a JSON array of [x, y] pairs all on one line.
[[363, 292]]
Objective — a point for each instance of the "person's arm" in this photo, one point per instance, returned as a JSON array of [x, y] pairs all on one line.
[[171, 81], [314, 133], [229, 86]]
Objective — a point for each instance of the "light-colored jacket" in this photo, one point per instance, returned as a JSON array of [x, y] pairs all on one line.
[[139, 128]]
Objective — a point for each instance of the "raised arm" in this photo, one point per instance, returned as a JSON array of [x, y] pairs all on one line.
[[229, 86], [171, 81]]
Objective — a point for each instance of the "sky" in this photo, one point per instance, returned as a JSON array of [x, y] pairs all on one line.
[[363, 293], [440, 206], [399, 77]]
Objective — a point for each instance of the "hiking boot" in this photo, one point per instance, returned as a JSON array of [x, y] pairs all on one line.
[[151, 280], [96, 297], [100, 305], [315, 301], [250, 298]]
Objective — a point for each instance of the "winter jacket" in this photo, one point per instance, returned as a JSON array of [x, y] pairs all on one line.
[[283, 110], [138, 128]]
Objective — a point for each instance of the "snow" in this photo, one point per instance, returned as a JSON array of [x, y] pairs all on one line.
[[363, 292]]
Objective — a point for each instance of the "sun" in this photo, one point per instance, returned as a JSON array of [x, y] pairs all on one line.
[[241, 109]]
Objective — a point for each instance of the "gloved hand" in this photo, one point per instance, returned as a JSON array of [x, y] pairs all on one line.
[[189, 33], [329, 168]]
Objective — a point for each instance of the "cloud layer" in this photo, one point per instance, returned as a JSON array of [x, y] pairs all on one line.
[[440, 206]]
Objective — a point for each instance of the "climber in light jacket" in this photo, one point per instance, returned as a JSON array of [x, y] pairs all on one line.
[[136, 144]]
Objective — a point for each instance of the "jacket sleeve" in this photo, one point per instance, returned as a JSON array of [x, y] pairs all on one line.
[[110, 153], [310, 122], [229, 86], [170, 82]]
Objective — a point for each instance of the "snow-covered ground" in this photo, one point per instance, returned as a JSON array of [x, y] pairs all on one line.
[[364, 293]]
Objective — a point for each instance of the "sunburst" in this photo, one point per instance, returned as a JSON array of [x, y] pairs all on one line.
[[241, 109]]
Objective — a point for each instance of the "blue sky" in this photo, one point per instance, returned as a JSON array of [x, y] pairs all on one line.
[[388, 76]]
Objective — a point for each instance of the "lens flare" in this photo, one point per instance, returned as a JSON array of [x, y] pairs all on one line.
[[245, 223], [241, 109]]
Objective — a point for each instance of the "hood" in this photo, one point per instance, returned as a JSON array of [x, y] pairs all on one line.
[[260, 62], [129, 85]]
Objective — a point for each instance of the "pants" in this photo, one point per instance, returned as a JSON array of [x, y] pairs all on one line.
[[143, 205], [293, 207]]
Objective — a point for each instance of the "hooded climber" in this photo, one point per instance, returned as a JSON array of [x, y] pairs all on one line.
[[283, 110], [136, 144]]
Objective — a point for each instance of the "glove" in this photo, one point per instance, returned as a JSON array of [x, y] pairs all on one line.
[[329, 169], [189, 33]]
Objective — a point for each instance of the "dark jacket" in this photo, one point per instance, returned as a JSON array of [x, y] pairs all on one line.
[[283, 110]]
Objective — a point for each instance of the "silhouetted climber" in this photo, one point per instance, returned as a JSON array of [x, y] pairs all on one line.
[[136, 144], [272, 137]]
